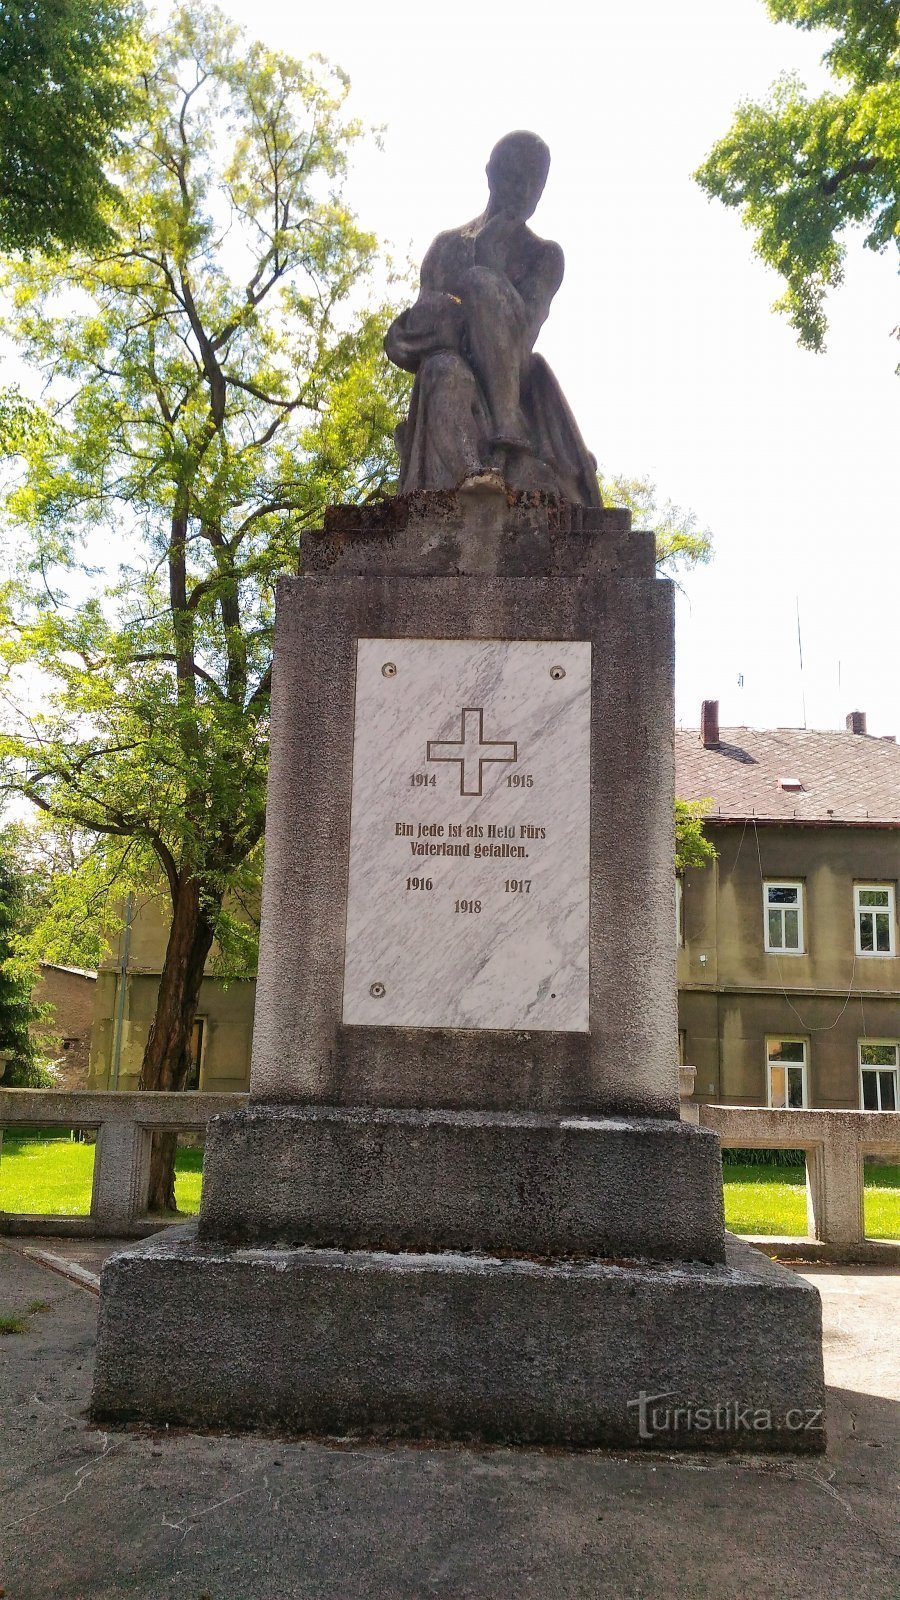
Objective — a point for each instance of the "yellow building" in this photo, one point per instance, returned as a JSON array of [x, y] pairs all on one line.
[[127, 986]]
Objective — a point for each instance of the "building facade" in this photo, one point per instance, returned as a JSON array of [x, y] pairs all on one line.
[[788, 960], [127, 987], [68, 996]]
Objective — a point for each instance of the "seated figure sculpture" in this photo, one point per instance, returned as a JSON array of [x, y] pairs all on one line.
[[483, 402]]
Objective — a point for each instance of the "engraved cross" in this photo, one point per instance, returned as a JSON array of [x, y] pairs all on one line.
[[471, 750]]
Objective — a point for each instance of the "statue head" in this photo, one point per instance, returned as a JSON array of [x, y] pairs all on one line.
[[516, 172]]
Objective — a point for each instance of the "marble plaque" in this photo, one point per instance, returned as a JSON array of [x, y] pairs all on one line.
[[469, 878]]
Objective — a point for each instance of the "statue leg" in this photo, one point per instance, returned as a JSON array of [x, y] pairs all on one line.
[[445, 435], [496, 334]]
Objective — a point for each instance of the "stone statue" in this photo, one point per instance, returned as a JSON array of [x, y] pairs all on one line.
[[483, 402]]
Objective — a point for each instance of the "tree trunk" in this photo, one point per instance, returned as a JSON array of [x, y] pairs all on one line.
[[167, 1055]]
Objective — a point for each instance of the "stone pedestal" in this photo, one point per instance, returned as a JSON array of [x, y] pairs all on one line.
[[461, 1202]]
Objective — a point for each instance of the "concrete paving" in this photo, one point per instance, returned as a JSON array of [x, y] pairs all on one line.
[[92, 1515]]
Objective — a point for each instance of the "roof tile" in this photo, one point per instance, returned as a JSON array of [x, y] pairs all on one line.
[[845, 777]]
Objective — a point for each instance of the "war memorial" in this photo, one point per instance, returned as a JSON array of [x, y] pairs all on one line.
[[461, 1203]]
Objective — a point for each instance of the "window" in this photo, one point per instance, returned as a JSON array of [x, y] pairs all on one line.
[[878, 1070], [679, 912], [783, 909], [787, 1072], [874, 919]]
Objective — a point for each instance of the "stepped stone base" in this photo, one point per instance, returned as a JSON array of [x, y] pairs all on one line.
[[466, 1347], [486, 1181]]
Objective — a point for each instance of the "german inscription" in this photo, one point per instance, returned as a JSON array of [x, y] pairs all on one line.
[[468, 892]]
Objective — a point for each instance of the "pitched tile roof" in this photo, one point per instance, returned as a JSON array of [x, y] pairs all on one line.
[[843, 777]]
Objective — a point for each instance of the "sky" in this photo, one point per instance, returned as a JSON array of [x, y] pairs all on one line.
[[662, 334]]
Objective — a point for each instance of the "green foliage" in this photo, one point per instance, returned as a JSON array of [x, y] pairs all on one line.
[[803, 171], [735, 1156], [13, 1325], [67, 74], [70, 879], [23, 1067], [680, 542], [215, 379], [692, 847]]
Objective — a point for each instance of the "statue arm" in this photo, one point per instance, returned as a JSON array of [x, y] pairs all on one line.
[[532, 267], [435, 322], [541, 282]]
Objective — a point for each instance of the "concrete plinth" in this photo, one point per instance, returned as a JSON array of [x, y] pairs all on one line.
[[466, 1347], [434, 1226], [433, 1180]]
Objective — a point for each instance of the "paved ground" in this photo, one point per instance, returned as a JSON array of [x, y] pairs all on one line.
[[89, 1515]]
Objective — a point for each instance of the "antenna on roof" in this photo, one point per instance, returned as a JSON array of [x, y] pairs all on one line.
[[800, 653]]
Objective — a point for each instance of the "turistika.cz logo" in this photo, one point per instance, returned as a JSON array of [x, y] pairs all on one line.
[[727, 1416]]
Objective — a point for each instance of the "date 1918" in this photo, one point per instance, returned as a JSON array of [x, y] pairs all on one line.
[[468, 905]]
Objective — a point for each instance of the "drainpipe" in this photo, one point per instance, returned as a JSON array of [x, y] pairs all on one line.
[[120, 995]]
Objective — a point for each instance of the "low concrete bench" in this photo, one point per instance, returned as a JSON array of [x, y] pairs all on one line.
[[835, 1144], [125, 1124]]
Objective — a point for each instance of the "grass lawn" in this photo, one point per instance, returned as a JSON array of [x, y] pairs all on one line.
[[766, 1200], [46, 1175], [773, 1200], [881, 1202], [54, 1176]]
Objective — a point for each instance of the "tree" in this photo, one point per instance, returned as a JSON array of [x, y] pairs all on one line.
[[216, 379], [67, 70], [804, 171], [692, 847], [681, 543], [17, 1013]]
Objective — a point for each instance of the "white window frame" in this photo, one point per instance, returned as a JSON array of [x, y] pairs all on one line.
[[784, 883], [871, 1067], [861, 911], [803, 1068]]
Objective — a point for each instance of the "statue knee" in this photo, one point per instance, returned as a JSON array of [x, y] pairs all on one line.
[[486, 289], [445, 370]]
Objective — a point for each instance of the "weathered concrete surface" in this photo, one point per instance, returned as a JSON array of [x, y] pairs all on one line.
[[459, 1346], [626, 1065], [478, 531], [175, 1516], [431, 1180]]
